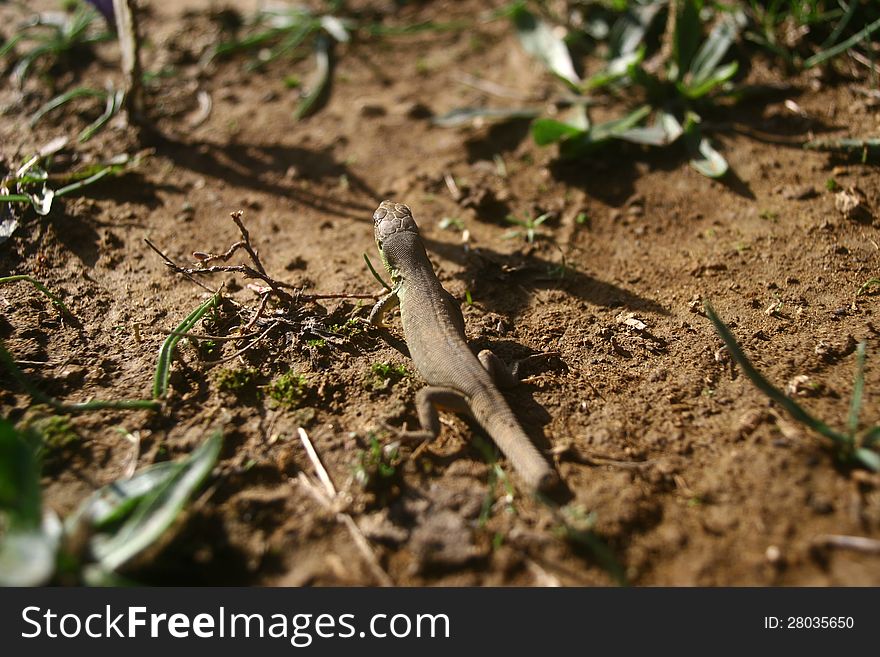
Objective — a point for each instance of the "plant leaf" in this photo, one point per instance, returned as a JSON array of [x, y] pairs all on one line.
[[28, 556], [7, 227], [617, 127], [335, 28], [29, 543], [114, 501], [42, 201], [320, 80], [616, 69], [628, 32], [20, 497], [704, 158], [712, 51], [549, 131], [158, 509], [718, 77], [464, 115], [600, 133], [870, 459], [665, 130], [686, 38], [540, 41]]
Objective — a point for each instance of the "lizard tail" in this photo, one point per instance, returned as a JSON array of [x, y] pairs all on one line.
[[495, 416]]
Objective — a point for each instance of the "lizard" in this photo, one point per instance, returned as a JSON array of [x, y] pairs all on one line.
[[434, 331]]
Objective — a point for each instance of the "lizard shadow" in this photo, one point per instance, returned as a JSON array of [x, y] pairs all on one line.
[[500, 281]]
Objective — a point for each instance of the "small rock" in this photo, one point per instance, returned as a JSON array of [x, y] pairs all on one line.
[[853, 204], [801, 386], [629, 319]]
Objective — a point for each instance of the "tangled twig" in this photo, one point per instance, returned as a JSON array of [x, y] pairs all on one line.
[[278, 288]]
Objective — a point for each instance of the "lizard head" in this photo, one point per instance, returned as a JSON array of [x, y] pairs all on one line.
[[391, 219]]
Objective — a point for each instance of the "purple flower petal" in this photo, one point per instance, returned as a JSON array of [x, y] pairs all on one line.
[[106, 9]]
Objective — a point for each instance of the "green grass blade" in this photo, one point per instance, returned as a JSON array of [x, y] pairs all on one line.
[[794, 409], [375, 273], [7, 361], [56, 301], [863, 148], [115, 100], [67, 189], [841, 24], [843, 46], [163, 365], [157, 510], [601, 133], [15, 198], [855, 406], [615, 70], [864, 287], [58, 101], [112, 404], [10, 44], [628, 32]]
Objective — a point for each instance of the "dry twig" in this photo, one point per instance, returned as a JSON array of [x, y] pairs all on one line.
[[328, 499]]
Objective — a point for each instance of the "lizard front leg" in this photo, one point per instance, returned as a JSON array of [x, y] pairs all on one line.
[[428, 400], [383, 306]]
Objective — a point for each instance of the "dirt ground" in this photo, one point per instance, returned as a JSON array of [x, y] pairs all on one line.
[[693, 476]]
